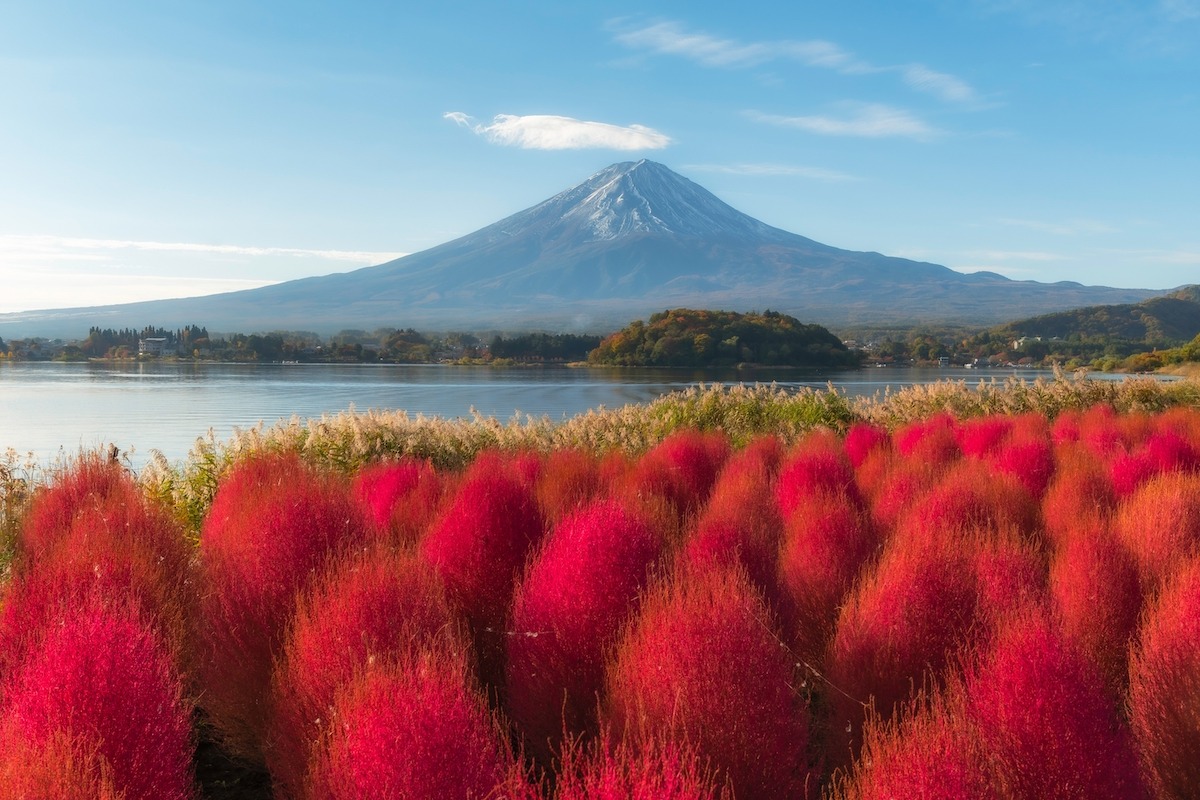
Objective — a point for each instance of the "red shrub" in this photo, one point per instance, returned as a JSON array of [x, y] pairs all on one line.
[[933, 440], [578, 592], [102, 676], [372, 606], [899, 628], [41, 599], [1029, 459], [1164, 686], [477, 547], [826, 543], [1160, 524], [864, 439], [63, 768], [1010, 575], [1046, 719], [607, 771], [681, 469], [703, 665], [741, 524], [932, 753], [400, 497], [1066, 427], [1100, 430], [816, 466], [972, 497], [570, 479], [982, 436], [1097, 600], [414, 729], [273, 524], [1164, 450], [902, 483], [1080, 498], [83, 485]]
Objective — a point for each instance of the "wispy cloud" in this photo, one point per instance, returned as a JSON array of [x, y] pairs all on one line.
[[548, 132], [59, 248], [870, 120], [1077, 227], [1015, 255], [673, 39], [813, 173]]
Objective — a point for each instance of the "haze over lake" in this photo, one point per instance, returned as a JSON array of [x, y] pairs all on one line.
[[140, 407]]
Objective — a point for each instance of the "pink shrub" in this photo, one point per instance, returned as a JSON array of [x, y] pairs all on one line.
[[400, 497], [477, 547], [1160, 524], [373, 605], [1046, 719], [982, 436], [656, 771], [681, 469], [578, 592], [1066, 427], [414, 729], [62, 768], [1164, 450], [826, 543], [864, 439], [1097, 601], [103, 677], [816, 466], [1100, 430], [1164, 686], [273, 523], [899, 629], [1029, 459], [703, 665]]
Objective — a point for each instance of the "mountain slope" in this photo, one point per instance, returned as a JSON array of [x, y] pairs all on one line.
[[632, 239]]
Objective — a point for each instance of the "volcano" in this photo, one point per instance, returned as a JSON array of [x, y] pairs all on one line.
[[633, 238]]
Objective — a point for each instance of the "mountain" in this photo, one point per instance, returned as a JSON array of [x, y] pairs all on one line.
[[1166, 321], [632, 239]]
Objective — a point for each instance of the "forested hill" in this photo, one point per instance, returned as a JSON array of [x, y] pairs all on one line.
[[1158, 322], [687, 338]]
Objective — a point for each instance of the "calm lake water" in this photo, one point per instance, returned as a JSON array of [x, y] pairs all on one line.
[[48, 407]]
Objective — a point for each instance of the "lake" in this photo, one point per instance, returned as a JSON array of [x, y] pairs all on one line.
[[48, 407]]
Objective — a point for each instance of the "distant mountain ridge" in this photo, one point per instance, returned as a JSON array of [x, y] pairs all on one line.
[[632, 239], [1165, 321]]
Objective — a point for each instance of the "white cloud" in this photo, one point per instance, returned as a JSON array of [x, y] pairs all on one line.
[[946, 87], [871, 120], [671, 38], [1076, 227], [548, 132], [814, 173]]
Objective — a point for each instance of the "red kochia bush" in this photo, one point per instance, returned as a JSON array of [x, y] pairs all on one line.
[[101, 678], [972, 497], [578, 592], [656, 771], [1164, 686], [89, 482], [570, 480], [1160, 524], [273, 523], [373, 605], [862, 440], [933, 441], [681, 469], [415, 729], [932, 752], [826, 543], [478, 545], [817, 465], [1045, 718], [900, 626], [1097, 599], [63, 768], [702, 664], [1080, 497], [400, 497]]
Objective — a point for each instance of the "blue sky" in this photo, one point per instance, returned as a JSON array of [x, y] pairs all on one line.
[[164, 149]]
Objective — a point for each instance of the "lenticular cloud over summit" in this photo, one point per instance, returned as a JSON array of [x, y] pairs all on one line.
[[550, 132]]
